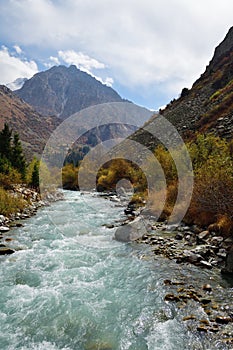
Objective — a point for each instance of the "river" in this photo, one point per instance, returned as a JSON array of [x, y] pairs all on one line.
[[71, 286]]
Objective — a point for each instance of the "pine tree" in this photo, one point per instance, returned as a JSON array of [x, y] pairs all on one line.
[[5, 142], [35, 180], [17, 157]]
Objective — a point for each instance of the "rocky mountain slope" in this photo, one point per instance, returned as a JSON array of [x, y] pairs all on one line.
[[62, 91], [33, 128], [208, 105]]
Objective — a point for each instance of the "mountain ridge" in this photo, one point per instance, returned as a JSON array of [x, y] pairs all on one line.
[[63, 91]]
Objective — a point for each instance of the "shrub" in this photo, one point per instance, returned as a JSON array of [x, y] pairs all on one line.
[[10, 203], [70, 177]]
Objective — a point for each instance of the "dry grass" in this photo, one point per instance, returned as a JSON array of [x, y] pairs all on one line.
[[10, 203]]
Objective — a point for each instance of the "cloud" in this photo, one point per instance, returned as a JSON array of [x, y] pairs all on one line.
[[12, 67], [155, 43], [82, 61], [108, 81], [18, 49]]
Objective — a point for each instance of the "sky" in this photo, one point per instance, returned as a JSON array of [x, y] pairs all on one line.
[[146, 50]]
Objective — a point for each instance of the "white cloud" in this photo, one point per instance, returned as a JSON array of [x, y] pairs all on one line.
[[12, 67], [18, 49], [82, 61], [54, 60], [108, 81]]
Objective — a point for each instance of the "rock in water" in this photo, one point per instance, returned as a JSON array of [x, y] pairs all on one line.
[[4, 229], [131, 232], [5, 251]]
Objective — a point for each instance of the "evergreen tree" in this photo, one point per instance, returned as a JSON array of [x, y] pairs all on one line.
[[35, 180], [5, 142], [17, 157]]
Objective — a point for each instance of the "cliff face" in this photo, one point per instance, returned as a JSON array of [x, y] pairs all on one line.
[[33, 129], [208, 105], [63, 91]]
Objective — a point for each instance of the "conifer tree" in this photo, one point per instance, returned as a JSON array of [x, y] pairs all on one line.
[[17, 157], [5, 142], [35, 180]]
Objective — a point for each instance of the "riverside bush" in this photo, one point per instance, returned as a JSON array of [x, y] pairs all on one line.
[[212, 199], [9, 203]]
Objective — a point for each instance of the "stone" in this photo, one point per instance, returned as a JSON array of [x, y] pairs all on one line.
[[205, 301], [190, 317], [109, 226], [171, 297], [202, 328], [131, 232], [191, 257], [204, 321], [203, 235], [228, 240], [222, 253], [207, 287], [4, 229], [172, 227], [2, 219], [216, 240], [179, 236], [223, 319], [167, 282], [205, 264], [5, 251], [214, 329]]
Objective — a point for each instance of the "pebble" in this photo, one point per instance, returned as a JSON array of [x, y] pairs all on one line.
[[207, 287]]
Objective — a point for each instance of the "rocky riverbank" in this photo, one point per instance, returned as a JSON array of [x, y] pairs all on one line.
[[33, 201], [205, 308], [212, 304]]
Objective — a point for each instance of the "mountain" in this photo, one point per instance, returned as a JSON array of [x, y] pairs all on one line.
[[208, 105], [62, 91], [33, 128]]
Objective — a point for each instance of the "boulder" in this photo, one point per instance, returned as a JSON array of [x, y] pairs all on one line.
[[131, 232]]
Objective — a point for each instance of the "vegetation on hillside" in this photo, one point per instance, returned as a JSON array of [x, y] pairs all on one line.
[[212, 199]]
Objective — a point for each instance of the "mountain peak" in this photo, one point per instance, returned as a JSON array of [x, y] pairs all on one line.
[[223, 49], [63, 91]]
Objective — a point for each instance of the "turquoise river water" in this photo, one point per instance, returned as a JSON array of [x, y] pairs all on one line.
[[71, 286]]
